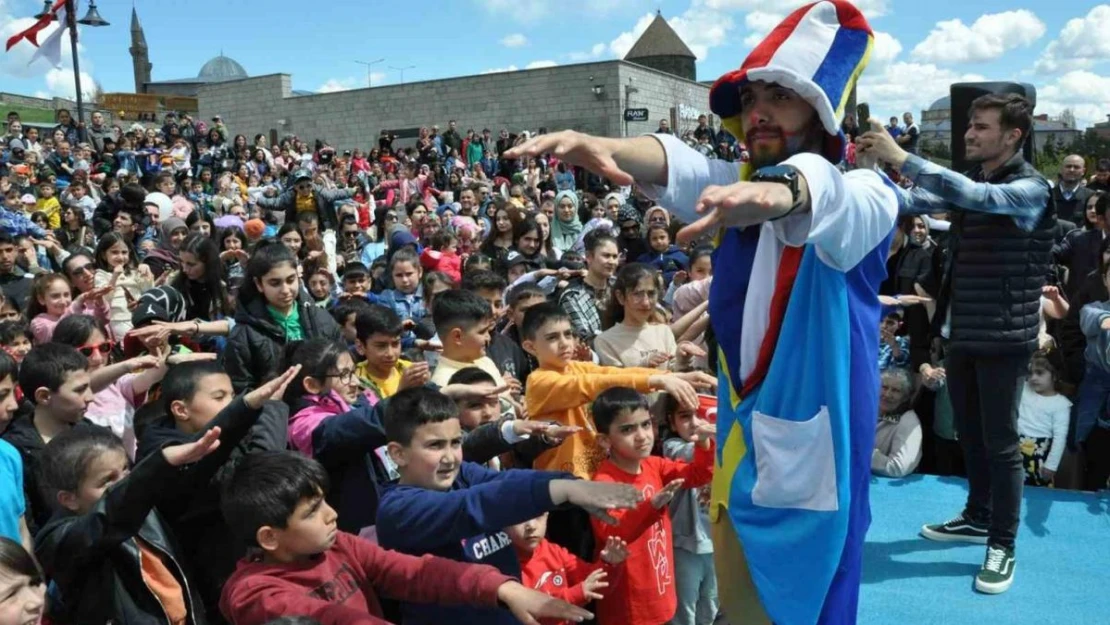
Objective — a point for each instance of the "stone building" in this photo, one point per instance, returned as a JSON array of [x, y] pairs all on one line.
[[658, 74]]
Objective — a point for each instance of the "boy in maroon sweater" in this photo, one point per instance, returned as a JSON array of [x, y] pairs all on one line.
[[304, 566]]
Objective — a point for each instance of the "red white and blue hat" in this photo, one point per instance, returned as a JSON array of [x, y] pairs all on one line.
[[818, 51]]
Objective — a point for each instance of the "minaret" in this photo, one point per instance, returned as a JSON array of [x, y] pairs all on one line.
[[140, 58]]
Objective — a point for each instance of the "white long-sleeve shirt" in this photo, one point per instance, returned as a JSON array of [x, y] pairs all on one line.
[[850, 214], [1045, 416]]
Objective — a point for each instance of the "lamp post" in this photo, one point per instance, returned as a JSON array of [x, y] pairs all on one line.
[[92, 18], [402, 70], [369, 75]]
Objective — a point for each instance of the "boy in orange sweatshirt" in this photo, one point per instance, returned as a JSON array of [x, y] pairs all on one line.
[[561, 388], [645, 593], [552, 570]]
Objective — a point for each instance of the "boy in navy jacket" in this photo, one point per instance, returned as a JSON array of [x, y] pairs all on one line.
[[458, 510]]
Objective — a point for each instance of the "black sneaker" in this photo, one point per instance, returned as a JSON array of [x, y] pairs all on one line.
[[958, 530], [998, 570]]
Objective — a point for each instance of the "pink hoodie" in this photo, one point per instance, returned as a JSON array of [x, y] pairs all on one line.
[[319, 409]]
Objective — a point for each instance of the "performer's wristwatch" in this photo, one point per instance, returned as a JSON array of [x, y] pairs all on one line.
[[781, 174]]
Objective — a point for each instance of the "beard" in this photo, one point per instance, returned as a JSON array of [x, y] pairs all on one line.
[[776, 145]]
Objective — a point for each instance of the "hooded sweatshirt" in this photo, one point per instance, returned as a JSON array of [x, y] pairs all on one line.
[[341, 585]]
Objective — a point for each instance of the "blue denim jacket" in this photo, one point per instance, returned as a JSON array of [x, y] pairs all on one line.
[[407, 307]]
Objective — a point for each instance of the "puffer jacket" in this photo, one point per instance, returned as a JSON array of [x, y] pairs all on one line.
[[256, 347]]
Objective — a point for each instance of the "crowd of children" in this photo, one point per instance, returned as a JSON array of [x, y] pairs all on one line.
[[369, 388]]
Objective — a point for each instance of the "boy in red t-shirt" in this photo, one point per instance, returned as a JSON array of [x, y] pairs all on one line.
[[553, 570], [645, 593]]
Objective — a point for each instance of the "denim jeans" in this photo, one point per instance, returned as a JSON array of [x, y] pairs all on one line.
[[1090, 404], [696, 587]]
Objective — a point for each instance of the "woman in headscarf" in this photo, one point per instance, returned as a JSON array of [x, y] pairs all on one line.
[[165, 257], [566, 226]]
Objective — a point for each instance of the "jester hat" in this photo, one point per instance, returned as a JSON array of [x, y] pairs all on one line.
[[818, 52]]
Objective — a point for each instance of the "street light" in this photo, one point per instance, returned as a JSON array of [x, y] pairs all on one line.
[[369, 75], [92, 18], [402, 70]]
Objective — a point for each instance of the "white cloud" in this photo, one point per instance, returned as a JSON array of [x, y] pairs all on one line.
[[340, 84], [624, 41], [498, 70], [540, 64], [870, 8], [1084, 92], [699, 27], [1083, 42], [59, 82], [759, 24], [991, 36], [514, 40], [905, 86], [595, 52], [886, 49]]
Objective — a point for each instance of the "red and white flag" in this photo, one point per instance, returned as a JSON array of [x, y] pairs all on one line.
[[51, 49], [32, 33]]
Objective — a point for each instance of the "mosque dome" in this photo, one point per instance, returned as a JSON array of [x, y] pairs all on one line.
[[943, 104], [220, 69]]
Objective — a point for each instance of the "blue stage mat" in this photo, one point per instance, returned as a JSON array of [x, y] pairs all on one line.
[[1063, 559]]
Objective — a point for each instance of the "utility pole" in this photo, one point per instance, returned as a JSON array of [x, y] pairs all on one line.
[[402, 70], [369, 74]]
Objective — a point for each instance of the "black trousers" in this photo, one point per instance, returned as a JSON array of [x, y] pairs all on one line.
[[985, 391]]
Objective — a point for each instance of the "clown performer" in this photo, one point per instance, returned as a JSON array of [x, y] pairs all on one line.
[[794, 304]]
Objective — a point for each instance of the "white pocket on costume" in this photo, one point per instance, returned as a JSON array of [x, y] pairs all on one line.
[[794, 461]]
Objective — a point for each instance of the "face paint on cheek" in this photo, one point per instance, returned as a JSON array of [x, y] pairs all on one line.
[[794, 141]]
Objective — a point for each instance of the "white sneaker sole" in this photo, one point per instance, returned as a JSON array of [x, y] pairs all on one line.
[[952, 538], [995, 589]]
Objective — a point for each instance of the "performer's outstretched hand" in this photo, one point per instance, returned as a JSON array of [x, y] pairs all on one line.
[[738, 204], [575, 148]]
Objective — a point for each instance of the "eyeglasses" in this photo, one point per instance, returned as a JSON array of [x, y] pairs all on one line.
[[346, 375], [86, 268], [103, 348], [351, 235]]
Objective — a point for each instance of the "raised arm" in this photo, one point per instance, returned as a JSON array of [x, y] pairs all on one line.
[[1023, 199]]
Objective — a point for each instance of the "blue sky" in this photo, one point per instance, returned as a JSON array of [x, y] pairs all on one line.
[[1061, 46]]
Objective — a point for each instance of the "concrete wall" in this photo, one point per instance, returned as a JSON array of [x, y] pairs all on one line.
[[665, 97], [554, 98]]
